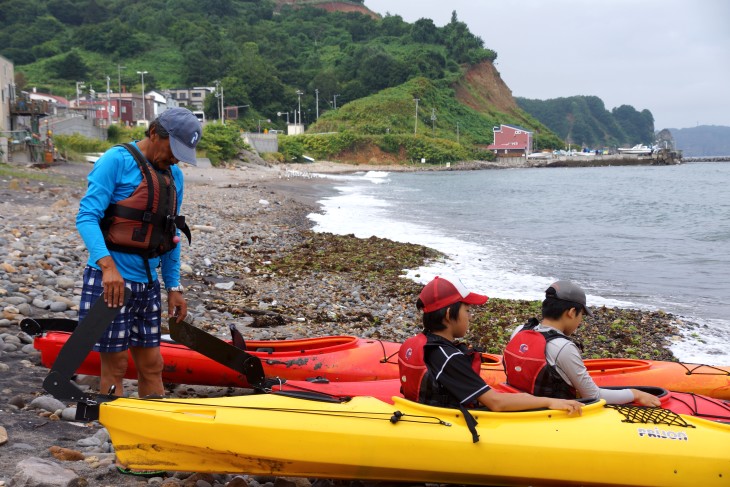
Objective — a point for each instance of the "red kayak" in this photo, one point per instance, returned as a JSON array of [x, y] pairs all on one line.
[[679, 402], [338, 358], [348, 358]]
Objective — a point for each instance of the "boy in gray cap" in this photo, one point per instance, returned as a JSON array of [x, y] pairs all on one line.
[[541, 360]]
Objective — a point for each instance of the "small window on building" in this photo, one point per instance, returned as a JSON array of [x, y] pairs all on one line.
[[196, 95]]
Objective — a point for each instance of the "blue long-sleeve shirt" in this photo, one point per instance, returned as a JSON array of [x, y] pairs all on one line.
[[114, 177]]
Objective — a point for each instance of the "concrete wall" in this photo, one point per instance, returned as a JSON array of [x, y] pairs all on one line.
[[262, 142], [7, 81], [74, 125]]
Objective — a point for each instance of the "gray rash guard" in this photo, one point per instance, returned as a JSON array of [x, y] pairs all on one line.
[[565, 356]]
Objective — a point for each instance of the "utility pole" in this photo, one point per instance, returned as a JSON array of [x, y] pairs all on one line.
[[144, 109], [119, 87], [316, 92], [299, 95], [335, 100], [457, 132], [223, 104], [415, 127], [108, 102], [433, 121]]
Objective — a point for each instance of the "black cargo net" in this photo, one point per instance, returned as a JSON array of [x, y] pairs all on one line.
[[649, 415]]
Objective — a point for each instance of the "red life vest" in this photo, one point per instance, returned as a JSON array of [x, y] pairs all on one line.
[[417, 382], [145, 223], [527, 367]]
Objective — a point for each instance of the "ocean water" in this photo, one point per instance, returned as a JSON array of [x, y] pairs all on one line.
[[636, 237]]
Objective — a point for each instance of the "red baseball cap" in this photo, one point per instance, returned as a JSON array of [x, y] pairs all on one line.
[[442, 292]]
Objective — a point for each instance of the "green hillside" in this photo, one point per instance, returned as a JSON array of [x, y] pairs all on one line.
[[263, 52], [585, 121]]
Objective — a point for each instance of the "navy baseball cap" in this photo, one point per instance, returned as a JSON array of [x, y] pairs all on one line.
[[185, 133], [567, 291]]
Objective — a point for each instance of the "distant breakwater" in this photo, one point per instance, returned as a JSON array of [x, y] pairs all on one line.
[[706, 159]]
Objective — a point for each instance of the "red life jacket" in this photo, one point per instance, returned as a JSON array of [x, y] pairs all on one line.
[[145, 223], [417, 382], [527, 367]]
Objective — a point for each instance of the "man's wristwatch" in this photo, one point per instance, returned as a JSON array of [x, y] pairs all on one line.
[[179, 289]]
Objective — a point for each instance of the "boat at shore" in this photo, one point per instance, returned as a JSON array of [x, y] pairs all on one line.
[[368, 439], [638, 149], [350, 359], [336, 357]]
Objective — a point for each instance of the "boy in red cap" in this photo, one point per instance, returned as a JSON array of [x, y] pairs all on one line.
[[438, 371]]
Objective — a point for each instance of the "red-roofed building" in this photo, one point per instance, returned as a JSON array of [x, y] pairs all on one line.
[[511, 141]]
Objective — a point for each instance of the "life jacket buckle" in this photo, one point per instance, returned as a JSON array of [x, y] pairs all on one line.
[[147, 217]]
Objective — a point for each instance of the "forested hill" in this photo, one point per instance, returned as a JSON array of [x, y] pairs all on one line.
[[262, 52], [585, 121]]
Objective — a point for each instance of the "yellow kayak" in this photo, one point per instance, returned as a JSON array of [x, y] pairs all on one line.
[[369, 439]]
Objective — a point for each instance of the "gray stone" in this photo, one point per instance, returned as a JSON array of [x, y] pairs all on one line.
[[65, 283], [58, 306], [91, 441], [102, 435], [47, 403], [15, 300], [41, 303], [21, 446], [69, 414], [37, 472], [11, 339]]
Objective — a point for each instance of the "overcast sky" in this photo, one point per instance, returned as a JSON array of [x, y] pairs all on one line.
[[671, 57]]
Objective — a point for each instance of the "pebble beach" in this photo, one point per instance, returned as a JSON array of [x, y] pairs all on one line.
[[254, 262]]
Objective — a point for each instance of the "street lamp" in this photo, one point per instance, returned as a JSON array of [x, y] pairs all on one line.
[[287, 116], [144, 112], [79, 85], [219, 95], [299, 95]]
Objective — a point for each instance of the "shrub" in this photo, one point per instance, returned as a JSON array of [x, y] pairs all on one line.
[[221, 143], [79, 144]]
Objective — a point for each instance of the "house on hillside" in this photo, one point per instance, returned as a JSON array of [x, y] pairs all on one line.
[[511, 141], [191, 97]]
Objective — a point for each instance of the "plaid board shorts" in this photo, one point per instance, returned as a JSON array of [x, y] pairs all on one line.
[[136, 325]]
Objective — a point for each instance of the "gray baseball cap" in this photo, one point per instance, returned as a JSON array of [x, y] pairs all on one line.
[[567, 291], [185, 133]]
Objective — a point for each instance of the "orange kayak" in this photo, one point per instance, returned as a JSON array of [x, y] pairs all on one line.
[[707, 380], [338, 358]]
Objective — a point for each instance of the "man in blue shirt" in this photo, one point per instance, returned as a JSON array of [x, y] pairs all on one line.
[[128, 220]]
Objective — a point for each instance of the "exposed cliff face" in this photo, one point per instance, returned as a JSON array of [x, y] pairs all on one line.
[[330, 6], [482, 89]]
